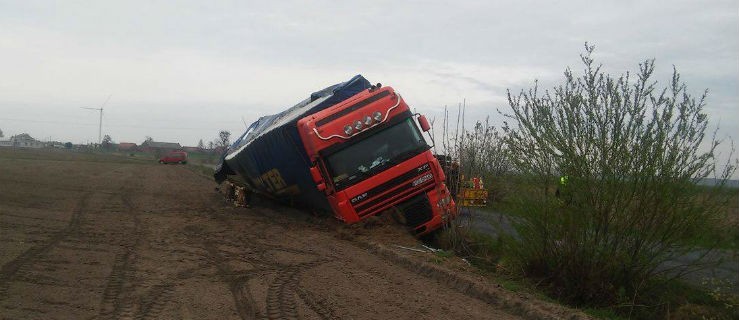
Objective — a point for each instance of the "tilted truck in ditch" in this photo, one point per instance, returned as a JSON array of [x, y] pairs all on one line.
[[353, 149]]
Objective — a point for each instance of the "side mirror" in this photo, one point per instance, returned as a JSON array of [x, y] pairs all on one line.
[[425, 126], [315, 173]]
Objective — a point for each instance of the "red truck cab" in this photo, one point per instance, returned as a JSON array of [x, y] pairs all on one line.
[[174, 157], [369, 156]]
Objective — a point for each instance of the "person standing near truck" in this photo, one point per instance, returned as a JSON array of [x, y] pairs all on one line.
[[561, 189]]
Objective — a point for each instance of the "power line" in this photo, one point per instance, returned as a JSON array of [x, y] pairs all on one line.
[[113, 125], [46, 121]]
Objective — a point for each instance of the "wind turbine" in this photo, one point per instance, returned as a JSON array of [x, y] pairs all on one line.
[[100, 125]]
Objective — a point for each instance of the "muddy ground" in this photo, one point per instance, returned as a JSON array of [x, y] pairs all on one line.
[[87, 236]]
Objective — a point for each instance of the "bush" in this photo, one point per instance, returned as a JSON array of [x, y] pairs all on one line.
[[632, 156], [483, 154]]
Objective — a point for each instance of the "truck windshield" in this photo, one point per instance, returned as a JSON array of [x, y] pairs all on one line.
[[375, 153]]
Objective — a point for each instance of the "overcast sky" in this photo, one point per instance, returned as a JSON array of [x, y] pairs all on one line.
[[180, 71]]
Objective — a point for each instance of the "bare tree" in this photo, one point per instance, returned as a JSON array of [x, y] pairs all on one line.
[[223, 139], [483, 153], [107, 142]]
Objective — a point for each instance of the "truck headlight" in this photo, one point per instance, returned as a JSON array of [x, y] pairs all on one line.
[[358, 125], [444, 201], [348, 130], [367, 120]]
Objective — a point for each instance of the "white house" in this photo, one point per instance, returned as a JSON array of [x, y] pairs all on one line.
[[23, 140]]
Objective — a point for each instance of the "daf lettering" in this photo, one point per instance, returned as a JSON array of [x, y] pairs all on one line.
[[359, 198]]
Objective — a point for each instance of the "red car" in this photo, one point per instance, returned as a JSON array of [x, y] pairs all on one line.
[[174, 157]]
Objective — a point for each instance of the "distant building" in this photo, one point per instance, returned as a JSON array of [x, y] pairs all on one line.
[[23, 140], [55, 145], [127, 146], [192, 149], [159, 147]]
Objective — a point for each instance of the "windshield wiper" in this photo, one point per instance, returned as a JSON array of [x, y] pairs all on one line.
[[348, 178], [408, 154], [357, 175]]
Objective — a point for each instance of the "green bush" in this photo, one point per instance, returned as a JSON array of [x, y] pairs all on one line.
[[633, 155]]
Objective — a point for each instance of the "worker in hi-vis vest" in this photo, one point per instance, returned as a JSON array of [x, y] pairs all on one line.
[[562, 185]]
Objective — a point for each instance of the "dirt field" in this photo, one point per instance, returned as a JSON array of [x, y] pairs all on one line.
[[93, 237]]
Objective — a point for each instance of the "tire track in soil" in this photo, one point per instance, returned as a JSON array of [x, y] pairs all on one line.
[[244, 302], [319, 306], [281, 301], [155, 300], [280, 297], [9, 270], [114, 304]]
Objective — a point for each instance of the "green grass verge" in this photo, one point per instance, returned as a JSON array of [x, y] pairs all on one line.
[[671, 299], [201, 170]]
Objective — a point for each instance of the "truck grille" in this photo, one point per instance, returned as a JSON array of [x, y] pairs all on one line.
[[393, 191], [417, 211]]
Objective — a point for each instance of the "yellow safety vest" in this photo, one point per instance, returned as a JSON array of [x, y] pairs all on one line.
[[563, 180]]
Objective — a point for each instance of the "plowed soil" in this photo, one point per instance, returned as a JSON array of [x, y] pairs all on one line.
[[87, 236]]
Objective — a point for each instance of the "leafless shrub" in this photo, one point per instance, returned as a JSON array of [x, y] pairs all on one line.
[[483, 153]]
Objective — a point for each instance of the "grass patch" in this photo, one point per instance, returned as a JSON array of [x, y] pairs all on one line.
[[603, 314], [201, 170], [671, 299], [203, 158], [63, 155], [444, 254], [675, 299], [441, 256], [726, 239]]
